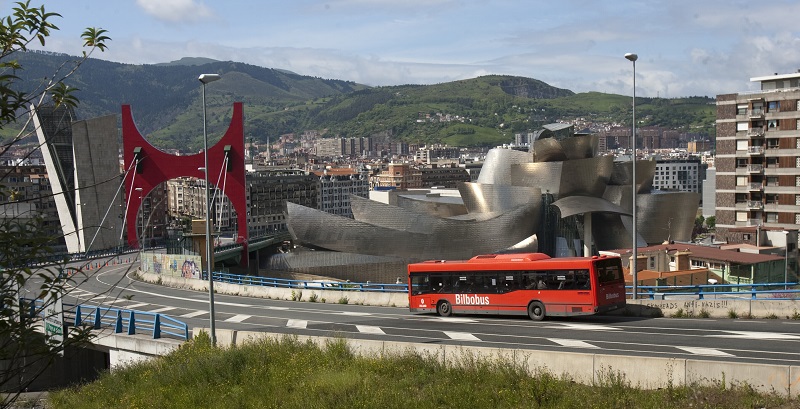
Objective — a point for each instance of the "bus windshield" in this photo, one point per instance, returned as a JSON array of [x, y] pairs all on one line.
[[608, 271]]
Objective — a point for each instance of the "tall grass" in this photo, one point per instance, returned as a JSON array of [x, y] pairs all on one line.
[[287, 373]]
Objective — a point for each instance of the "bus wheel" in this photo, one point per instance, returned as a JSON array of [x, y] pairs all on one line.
[[444, 309], [536, 311]]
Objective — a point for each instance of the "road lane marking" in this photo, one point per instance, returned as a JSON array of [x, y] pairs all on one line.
[[454, 319], [589, 327], [134, 306], [461, 336], [356, 314], [758, 335], [369, 329], [297, 324], [238, 318], [194, 314], [277, 308], [162, 309], [572, 343], [704, 351]]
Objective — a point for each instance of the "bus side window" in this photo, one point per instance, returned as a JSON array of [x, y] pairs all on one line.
[[583, 279]]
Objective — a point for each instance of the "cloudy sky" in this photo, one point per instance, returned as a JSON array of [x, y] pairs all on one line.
[[698, 47]]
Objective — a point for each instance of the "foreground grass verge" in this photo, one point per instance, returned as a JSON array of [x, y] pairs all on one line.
[[287, 373]]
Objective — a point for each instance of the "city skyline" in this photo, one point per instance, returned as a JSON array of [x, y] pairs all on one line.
[[685, 48]]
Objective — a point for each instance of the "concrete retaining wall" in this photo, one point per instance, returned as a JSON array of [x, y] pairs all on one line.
[[278, 293], [127, 349], [586, 368], [714, 308]]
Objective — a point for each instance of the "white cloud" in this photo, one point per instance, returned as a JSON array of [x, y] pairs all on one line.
[[176, 11]]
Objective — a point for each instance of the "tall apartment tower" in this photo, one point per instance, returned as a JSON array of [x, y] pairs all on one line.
[[82, 161], [758, 156]]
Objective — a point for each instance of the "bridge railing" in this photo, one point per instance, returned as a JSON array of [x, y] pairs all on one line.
[[121, 320], [308, 284], [764, 291]]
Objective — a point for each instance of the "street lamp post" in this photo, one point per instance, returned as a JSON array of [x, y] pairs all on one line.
[[632, 58], [786, 260], [141, 218], [205, 79]]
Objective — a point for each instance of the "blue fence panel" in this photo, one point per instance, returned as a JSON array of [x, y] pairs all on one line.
[[308, 284], [764, 291], [121, 320]]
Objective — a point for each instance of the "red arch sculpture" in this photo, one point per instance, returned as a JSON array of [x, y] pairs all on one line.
[[156, 166]]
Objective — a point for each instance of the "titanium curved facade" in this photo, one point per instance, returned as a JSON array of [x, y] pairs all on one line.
[[523, 201]]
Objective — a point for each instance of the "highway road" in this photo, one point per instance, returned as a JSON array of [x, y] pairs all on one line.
[[767, 341]]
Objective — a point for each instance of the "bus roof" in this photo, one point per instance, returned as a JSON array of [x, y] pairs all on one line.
[[511, 258]]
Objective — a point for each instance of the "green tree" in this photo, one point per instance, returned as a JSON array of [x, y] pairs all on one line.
[[24, 247], [711, 222]]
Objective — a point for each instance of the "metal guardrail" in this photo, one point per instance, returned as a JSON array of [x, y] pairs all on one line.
[[308, 284], [122, 320], [765, 291]]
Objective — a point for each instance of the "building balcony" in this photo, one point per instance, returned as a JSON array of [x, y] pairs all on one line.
[[755, 133], [756, 114], [755, 187], [755, 168], [755, 205], [755, 150], [754, 222]]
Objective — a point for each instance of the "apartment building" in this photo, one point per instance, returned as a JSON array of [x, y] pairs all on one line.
[[758, 156], [400, 176], [337, 185], [678, 174]]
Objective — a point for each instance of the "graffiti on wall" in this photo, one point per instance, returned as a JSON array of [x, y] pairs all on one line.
[[171, 265]]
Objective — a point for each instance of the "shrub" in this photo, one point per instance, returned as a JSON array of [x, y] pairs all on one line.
[[344, 300]]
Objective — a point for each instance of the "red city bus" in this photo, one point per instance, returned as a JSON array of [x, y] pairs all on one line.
[[525, 283]]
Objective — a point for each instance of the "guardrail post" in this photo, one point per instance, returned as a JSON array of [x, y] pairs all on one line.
[[157, 327], [132, 324], [753, 292], [118, 325], [77, 315], [97, 317], [699, 292]]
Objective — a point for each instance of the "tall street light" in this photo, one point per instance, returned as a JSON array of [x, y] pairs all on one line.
[[141, 218], [634, 261], [786, 259], [205, 79]]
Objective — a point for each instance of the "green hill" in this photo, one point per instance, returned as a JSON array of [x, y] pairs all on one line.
[[166, 103]]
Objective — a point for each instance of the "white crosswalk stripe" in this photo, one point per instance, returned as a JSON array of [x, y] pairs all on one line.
[[758, 335], [369, 329], [238, 318], [297, 324], [572, 343], [135, 306], [160, 310], [194, 314], [704, 351], [461, 336]]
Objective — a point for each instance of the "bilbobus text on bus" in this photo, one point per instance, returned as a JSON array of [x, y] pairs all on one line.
[[526, 283]]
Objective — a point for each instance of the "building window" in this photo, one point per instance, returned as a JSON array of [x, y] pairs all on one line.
[[797, 218], [744, 126], [773, 106], [741, 180], [797, 200], [741, 109], [773, 124], [772, 217], [741, 216]]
